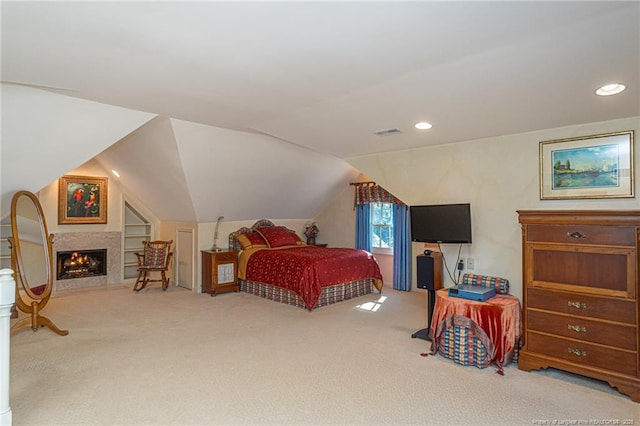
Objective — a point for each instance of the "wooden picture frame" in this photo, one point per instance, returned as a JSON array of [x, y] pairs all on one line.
[[599, 166], [82, 200]]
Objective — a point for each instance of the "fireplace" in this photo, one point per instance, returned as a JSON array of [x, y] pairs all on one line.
[[81, 263]]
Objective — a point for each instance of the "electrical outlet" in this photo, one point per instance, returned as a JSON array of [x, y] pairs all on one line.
[[471, 263], [461, 265]]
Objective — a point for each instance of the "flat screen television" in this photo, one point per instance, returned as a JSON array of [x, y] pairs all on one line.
[[441, 223]]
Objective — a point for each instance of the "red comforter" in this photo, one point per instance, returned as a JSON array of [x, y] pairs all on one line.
[[306, 269]]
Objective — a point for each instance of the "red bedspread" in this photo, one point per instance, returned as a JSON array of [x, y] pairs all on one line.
[[306, 269]]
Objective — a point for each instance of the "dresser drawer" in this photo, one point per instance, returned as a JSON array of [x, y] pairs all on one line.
[[582, 353], [619, 310], [617, 335], [226, 257], [583, 268], [582, 234]]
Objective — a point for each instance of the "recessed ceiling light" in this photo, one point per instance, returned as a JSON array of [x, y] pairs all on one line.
[[115, 173], [610, 89], [422, 125]]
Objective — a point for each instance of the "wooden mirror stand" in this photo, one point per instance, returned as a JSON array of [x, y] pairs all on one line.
[[32, 259]]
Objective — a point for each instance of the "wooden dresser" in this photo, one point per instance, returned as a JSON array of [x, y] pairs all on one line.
[[580, 295]]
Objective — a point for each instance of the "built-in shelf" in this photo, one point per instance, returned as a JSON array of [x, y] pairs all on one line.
[[5, 249], [136, 230]]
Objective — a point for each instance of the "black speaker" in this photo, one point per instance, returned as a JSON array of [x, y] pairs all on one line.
[[429, 268], [425, 272], [429, 272]]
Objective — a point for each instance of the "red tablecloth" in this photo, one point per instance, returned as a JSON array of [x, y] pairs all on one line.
[[497, 322]]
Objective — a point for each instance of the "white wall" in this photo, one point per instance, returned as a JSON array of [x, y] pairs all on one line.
[[337, 222], [337, 228], [169, 231], [498, 176], [116, 195]]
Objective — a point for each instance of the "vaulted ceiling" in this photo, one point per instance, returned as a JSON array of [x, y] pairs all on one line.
[[260, 105]]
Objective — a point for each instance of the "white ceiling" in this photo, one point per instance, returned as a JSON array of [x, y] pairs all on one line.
[[307, 84], [326, 75]]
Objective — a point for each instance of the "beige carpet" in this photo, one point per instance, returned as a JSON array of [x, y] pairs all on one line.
[[183, 359]]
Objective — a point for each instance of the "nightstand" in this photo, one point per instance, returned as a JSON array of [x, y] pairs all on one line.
[[219, 271]]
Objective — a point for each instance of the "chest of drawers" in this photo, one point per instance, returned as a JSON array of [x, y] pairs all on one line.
[[580, 295]]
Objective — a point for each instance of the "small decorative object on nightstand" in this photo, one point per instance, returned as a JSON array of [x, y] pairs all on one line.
[[219, 271], [215, 235], [311, 232]]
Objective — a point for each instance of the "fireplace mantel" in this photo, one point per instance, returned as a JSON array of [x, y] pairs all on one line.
[[112, 241]]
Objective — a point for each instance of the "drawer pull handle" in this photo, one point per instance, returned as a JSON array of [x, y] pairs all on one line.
[[576, 234], [577, 328], [578, 305], [577, 352]]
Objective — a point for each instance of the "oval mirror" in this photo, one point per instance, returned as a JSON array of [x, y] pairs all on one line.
[[32, 259], [30, 240]]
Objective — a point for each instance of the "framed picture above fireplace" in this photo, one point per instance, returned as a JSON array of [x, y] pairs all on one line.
[[82, 200]]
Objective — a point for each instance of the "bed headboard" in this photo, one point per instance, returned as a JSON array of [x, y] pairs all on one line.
[[235, 245]]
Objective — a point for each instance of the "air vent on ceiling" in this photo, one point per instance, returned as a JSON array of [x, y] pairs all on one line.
[[388, 132]]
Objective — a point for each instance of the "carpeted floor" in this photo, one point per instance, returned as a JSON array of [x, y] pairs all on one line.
[[180, 358]]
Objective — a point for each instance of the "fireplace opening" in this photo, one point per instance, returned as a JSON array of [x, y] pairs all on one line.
[[81, 263]]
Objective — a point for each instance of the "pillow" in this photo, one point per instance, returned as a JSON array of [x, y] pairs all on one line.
[[278, 236], [501, 284], [251, 240]]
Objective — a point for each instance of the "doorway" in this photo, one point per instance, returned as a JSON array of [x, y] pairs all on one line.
[[184, 258]]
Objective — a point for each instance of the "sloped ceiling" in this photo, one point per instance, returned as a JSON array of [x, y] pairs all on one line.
[[186, 171], [255, 174], [290, 88], [45, 135], [181, 171], [149, 166]]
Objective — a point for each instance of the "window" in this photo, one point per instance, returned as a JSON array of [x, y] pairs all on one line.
[[382, 226]]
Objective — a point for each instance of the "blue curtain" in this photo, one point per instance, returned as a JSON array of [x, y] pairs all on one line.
[[363, 236], [401, 248]]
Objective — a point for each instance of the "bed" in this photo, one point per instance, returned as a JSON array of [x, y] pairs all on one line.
[[276, 264]]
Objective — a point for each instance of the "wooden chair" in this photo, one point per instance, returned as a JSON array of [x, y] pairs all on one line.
[[156, 257]]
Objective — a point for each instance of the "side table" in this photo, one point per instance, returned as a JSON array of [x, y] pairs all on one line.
[[219, 271], [497, 323]]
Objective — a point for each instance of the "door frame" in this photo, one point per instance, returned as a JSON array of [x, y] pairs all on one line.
[[190, 232]]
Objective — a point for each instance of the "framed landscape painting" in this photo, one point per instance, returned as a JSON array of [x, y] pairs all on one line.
[[599, 166], [82, 200]]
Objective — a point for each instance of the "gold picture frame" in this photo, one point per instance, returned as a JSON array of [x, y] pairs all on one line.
[[598, 166], [82, 200]]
